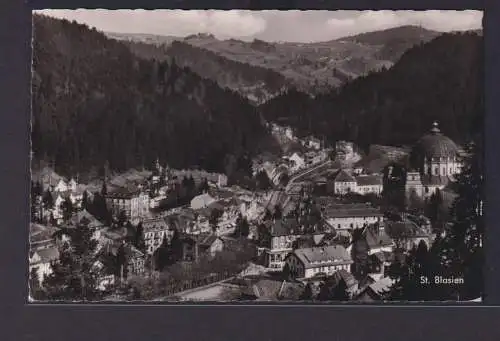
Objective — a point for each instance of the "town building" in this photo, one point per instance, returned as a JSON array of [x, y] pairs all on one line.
[[369, 184], [306, 263], [41, 236], [155, 231], [134, 203], [376, 291], [195, 246], [344, 150], [407, 234], [351, 216], [135, 260], [344, 183], [41, 259], [435, 161], [202, 201], [199, 175], [284, 233], [377, 239], [298, 162]]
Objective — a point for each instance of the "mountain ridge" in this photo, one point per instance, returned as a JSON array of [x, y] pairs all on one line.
[[313, 68], [440, 80]]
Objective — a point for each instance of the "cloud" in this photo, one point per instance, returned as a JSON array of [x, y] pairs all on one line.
[[222, 24], [434, 20], [299, 26]]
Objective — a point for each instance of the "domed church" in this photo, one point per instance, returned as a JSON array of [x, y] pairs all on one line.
[[435, 159]]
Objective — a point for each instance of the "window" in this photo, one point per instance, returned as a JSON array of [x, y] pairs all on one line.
[[436, 171], [426, 189]]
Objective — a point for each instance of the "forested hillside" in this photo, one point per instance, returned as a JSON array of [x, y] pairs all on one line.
[[441, 80], [256, 83], [96, 103], [259, 69]]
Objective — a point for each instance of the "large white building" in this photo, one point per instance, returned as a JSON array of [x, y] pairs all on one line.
[[309, 262], [436, 160], [351, 216], [40, 261], [134, 203], [155, 230], [345, 183]]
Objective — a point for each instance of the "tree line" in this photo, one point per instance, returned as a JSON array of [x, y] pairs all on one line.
[[96, 103], [440, 80]]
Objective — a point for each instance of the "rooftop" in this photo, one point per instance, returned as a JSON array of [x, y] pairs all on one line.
[[343, 176], [85, 218], [155, 224], [369, 180], [435, 144], [124, 192], [320, 256], [375, 239], [47, 255], [405, 229], [338, 211]]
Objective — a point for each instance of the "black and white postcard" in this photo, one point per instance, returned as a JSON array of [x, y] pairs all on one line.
[[256, 156]]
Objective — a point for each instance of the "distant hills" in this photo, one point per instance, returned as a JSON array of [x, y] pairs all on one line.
[[101, 102], [261, 70], [440, 80]]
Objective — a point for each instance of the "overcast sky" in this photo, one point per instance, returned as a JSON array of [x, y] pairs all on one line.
[[297, 26]]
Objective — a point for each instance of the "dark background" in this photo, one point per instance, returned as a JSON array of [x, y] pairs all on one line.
[[131, 322]]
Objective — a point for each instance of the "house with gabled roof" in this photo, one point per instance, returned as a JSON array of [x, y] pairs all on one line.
[[194, 246], [41, 259], [155, 230], [344, 183], [351, 216], [308, 262], [366, 184]]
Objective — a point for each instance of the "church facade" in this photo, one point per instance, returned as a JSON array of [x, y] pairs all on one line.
[[436, 160]]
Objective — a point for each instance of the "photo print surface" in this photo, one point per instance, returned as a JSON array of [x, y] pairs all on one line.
[[250, 156]]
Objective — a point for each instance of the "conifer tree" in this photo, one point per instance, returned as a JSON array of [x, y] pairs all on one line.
[[139, 242], [462, 248], [307, 295], [67, 209], [75, 275]]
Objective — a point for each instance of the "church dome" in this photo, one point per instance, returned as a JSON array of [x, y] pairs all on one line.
[[436, 145]]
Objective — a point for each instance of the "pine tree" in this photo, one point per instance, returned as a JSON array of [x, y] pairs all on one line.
[[104, 189], [307, 294], [462, 253], [36, 291], [244, 228], [75, 275], [139, 242], [85, 201], [122, 262], [48, 200], [286, 272], [67, 209], [163, 255], [359, 253], [213, 220], [339, 292]]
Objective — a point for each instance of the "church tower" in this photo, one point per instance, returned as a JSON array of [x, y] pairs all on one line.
[[413, 184]]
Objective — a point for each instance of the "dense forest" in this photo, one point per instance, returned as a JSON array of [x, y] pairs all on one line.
[[440, 80], [394, 41], [95, 103], [254, 82]]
